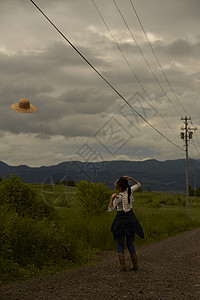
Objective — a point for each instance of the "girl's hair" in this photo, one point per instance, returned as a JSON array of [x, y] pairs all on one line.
[[123, 183]]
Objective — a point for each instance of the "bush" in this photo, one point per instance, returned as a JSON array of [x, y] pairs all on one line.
[[29, 247], [32, 243], [38, 243], [10, 271], [93, 198], [23, 199]]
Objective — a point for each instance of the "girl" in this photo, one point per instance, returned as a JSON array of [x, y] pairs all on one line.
[[125, 223]]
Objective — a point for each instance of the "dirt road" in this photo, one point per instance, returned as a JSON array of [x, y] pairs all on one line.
[[169, 269]]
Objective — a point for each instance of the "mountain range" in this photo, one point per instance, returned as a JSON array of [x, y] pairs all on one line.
[[154, 175]]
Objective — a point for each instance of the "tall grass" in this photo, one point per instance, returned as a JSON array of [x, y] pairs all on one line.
[[159, 221], [91, 231]]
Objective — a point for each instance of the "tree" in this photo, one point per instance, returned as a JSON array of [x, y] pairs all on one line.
[[93, 198], [23, 199]]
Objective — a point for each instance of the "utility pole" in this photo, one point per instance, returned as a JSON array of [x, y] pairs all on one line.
[[186, 135]]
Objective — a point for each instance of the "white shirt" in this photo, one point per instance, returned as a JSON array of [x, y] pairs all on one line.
[[121, 200]]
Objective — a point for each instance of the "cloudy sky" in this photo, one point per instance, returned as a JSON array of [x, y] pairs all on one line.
[[79, 116]]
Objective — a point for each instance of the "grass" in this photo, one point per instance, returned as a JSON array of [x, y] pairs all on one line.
[[161, 215]]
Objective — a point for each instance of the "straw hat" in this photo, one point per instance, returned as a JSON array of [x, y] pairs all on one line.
[[24, 106]]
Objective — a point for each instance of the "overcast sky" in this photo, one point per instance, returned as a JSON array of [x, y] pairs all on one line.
[[79, 117]]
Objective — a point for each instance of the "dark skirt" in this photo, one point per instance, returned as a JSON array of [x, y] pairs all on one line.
[[126, 224]]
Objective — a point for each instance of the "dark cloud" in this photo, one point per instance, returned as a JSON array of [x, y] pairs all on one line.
[[73, 101], [179, 50]]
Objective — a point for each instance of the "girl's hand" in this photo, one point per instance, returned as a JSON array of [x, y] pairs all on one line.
[[130, 178], [111, 201], [113, 196]]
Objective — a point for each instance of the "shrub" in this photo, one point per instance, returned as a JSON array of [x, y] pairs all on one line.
[[149, 200], [163, 201], [10, 271], [28, 246], [93, 198], [23, 199], [38, 243]]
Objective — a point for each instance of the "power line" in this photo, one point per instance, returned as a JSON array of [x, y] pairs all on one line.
[[102, 77], [134, 39], [153, 51], [128, 63], [197, 168], [193, 144], [197, 138], [196, 135]]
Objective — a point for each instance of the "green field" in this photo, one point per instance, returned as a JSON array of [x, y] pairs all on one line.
[[54, 233], [161, 214]]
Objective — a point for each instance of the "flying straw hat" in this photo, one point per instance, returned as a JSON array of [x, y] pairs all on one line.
[[24, 106]]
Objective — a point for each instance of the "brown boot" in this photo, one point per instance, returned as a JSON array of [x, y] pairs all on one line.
[[122, 262], [134, 262]]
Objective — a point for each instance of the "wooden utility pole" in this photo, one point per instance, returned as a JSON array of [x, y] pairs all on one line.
[[186, 135]]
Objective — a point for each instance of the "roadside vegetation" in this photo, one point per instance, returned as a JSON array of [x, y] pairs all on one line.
[[51, 228]]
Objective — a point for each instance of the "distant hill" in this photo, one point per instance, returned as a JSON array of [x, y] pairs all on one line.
[[157, 175]]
